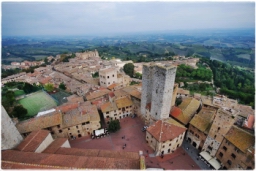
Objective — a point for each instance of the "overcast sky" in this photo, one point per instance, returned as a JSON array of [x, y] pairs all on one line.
[[92, 18]]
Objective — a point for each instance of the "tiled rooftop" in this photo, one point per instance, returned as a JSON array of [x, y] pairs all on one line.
[[32, 141], [68, 161], [240, 138], [200, 123], [108, 107], [55, 145], [123, 102], [170, 128], [41, 122], [96, 94], [188, 108]]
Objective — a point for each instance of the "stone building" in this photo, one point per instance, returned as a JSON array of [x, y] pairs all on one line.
[[165, 136], [68, 121], [199, 127], [10, 136], [237, 150], [120, 107], [157, 89], [220, 126], [107, 76]]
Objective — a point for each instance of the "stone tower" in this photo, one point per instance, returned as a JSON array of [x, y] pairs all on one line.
[[157, 89], [10, 135]]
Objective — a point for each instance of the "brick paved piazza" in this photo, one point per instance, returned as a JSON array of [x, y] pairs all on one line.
[[135, 141]]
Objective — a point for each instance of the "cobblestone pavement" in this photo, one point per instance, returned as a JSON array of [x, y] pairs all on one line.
[[135, 141]]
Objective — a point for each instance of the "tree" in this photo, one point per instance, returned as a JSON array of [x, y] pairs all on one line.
[[95, 75], [114, 125], [19, 112], [28, 88], [62, 86], [129, 69], [138, 75], [49, 87]]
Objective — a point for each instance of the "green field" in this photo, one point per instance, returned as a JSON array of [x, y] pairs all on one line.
[[39, 101], [18, 93]]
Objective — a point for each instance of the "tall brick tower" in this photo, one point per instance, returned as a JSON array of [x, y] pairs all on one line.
[[157, 89]]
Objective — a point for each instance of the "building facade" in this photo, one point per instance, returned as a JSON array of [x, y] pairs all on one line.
[[237, 150], [220, 126]]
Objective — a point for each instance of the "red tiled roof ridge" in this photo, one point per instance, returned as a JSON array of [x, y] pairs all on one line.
[[32, 139]]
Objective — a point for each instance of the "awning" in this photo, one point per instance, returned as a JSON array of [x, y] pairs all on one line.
[[205, 155], [214, 163]]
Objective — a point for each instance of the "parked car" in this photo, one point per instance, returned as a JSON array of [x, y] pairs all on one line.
[[144, 128]]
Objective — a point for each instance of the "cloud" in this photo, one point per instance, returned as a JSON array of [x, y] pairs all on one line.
[[55, 18]]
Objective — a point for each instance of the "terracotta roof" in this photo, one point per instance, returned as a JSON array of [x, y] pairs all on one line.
[[112, 86], [75, 98], [40, 122], [206, 100], [98, 153], [45, 80], [170, 129], [80, 115], [55, 145], [67, 107], [175, 111], [249, 123], [207, 113], [104, 71], [188, 107], [32, 141], [120, 93], [200, 123], [107, 107], [240, 138], [96, 94], [68, 161], [111, 94], [132, 91], [123, 102]]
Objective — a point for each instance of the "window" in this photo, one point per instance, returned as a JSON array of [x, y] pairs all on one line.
[[233, 155], [113, 75], [224, 148], [107, 116], [218, 128], [163, 146], [107, 112], [76, 127], [221, 154], [60, 131], [210, 148], [215, 136], [58, 126], [108, 76], [87, 122], [147, 137], [156, 113], [83, 123], [115, 114], [229, 162], [68, 128], [78, 131], [237, 150], [170, 144]]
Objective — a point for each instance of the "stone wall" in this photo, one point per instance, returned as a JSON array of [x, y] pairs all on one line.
[[10, 135], [163, 82]]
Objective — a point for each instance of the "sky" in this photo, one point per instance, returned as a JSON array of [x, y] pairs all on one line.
[[99, 18]]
